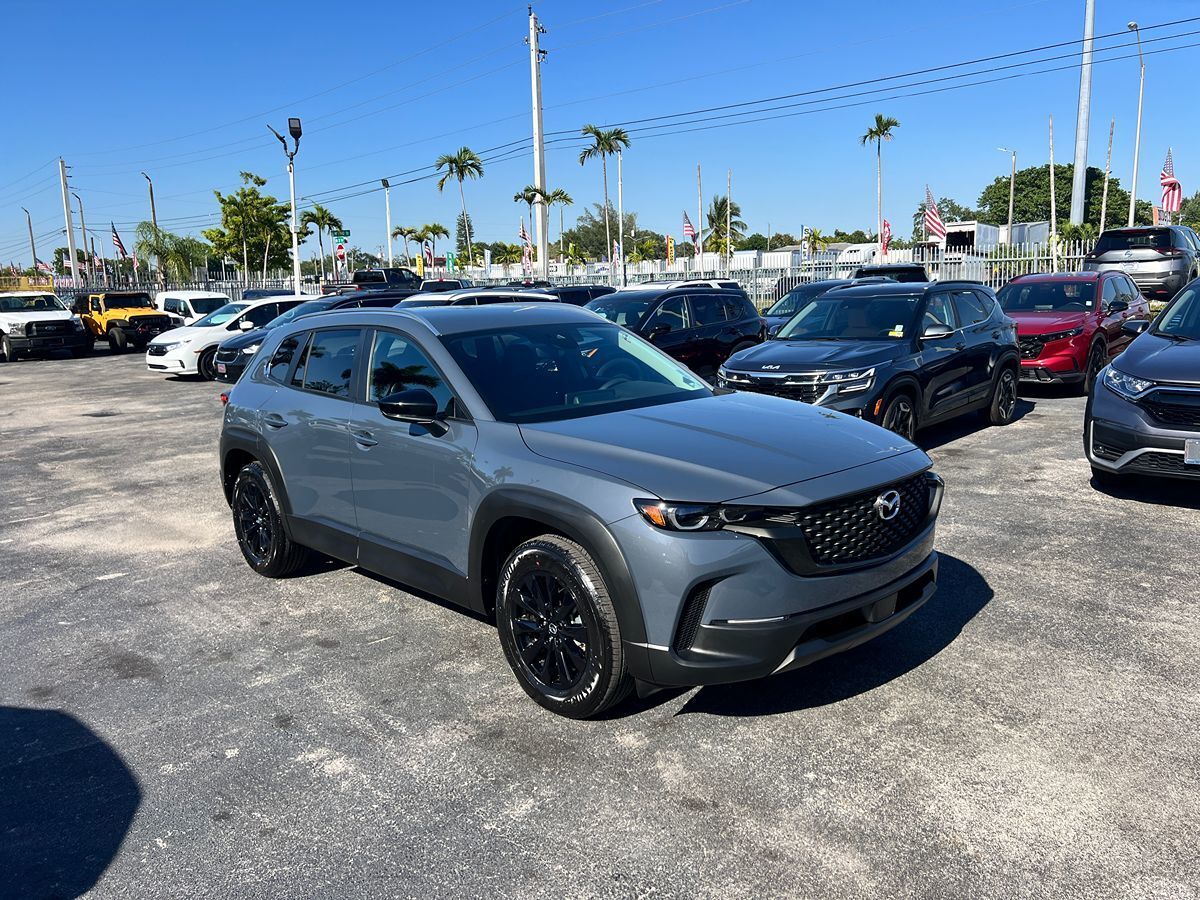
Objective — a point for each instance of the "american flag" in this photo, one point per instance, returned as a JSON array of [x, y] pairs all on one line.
[[688, 230], [524, 235], [1172, 190], [13, 268], [136, 264], [44, 267], [886, 236], [933, 219], [117, 241]]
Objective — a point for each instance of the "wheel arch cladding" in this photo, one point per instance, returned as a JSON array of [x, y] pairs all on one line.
[[507, 518]]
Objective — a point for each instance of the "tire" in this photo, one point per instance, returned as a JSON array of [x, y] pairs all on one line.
[[900, 416], [117, 342], [559, 629], [1004, 397], [1097, 360], [83, 350], [7, 354], [206, 366], [258, 524]]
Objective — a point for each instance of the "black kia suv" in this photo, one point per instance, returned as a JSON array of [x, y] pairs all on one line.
[[699, 326], [903, 355]]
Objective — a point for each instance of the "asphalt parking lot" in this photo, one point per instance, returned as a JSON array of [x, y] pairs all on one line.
[[173, 725]]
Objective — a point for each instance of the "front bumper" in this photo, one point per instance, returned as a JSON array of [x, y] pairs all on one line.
[[49, 343], [866, 404], [180, 361], [229, 371], [1121, 437]]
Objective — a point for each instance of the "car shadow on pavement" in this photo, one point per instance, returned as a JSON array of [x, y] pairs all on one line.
[[962, 592], [939, 435], [66, 803], [1146, 489]]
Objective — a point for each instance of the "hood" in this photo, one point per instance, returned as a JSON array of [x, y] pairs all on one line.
[[1034, 323], [805, 356], [1161, 359], [129, 312], [717, 448], [36, 315], [184, 333], [241, 339]]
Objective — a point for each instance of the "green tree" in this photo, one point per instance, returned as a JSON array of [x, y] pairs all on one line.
[[858, 236], [323, 220], [950, 211], [816, 240], [253, 225], [178, 255], [460, 166], [462, 227], [560, 198], [879, 132], [592, 234], [604, 145], [717, 238], [1031, 198], [528, 195], [434, 231], [406, 233]]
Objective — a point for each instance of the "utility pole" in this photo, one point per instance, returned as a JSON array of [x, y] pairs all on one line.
[[1053, 206], [620, 219], [1012, 189], [90, 264], [728, 221], [295, 131], [387, 211], [1137, 134], [699, 222], [1083, 116], [32, 245], [536, 55], [1107, 168], [154, 222], [62, 177]]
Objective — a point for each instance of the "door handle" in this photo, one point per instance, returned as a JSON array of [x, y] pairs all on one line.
[[274, 420], [962, 346], [363, 438]]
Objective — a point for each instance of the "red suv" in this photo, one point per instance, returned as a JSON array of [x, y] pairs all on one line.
[[1069, 324]]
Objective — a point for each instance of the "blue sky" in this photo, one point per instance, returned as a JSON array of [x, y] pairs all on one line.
[[384, 88]]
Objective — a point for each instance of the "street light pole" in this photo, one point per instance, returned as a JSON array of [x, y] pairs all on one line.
[[295, 132], [32, 245], [387, 210], [1137, 134], [1083, 116], [536, 55], [91, 268], [1012, 187], [66, 201], [154, 222]]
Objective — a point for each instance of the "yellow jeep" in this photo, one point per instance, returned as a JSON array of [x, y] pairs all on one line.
[[122, 318]]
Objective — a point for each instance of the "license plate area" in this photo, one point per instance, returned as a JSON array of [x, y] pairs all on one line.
[[221, 368], [1191, 452]]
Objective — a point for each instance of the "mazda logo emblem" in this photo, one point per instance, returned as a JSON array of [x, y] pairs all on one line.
[[887, 505]]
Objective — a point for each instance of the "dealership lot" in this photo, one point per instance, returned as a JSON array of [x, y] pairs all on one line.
[[1032, 730]]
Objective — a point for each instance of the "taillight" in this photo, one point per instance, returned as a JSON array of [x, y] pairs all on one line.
[[1170, 251], [224, 398]]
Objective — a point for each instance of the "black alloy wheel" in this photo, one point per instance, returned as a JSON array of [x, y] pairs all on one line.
[[207, 365], [558, 628], [900, 416], [1097, 359], [258, 524], [1004, 398]]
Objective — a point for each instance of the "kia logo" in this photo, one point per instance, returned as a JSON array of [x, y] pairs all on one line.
[[887, 505], [770, 367]]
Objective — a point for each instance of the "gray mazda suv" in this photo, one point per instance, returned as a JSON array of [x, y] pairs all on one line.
[[626, 525]]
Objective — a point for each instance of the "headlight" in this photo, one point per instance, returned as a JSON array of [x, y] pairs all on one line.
[[849, 382], [1058, 335], [16, 328], [1124, 384], [734, 377], [167, 348], [696, 516], [251, 350], [77, 323]]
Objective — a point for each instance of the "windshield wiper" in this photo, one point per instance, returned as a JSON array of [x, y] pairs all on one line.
[[1175, 337]]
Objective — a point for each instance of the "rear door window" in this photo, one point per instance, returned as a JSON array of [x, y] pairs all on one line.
[[707, 309], [328, 363], [671, 312]]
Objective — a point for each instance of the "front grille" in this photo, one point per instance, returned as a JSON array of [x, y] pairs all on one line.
[[851, 530], [48, 329], [1161, 463], [690, 618], [1031, 348], [806, 392], [227, 356], [150, 322], [156, 350], [1180, 408]]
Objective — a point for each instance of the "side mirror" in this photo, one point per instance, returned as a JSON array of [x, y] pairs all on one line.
[[1118, 306], [246, 325], [416, 405], [773, 331], [1134, 327], [659, 330], [934, 332]]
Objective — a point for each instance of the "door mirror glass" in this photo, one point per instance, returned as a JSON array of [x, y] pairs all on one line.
[[414, 405], [1135, 327], [933, 332]]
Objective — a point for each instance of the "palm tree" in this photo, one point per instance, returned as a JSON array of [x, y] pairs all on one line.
[[322, 219], [529, 195], [718, 210], [816, 240], [405, 233], [878, 133], [461, 165], [433, 232], [604, 145], [420, 236], [560, 198]]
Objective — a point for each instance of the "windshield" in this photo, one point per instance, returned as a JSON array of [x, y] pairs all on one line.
[[796, 297], [904, 275], [367, 277], [1181, 319], [220, 316], [541, 373], [1062, 296], [202, 306], [128, 301], [836, 317], [1151, 238], [40, 303], [626, 309], [437, 287]]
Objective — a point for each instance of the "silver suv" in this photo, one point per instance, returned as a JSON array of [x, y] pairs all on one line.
[[1160, 259], [624, 523]]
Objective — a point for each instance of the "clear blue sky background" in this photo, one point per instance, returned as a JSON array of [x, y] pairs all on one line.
[[384, 88]]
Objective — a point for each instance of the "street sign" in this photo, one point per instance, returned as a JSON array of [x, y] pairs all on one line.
[[341, 236]]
